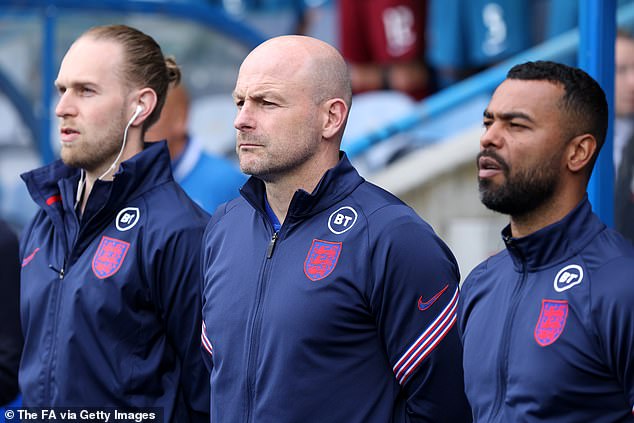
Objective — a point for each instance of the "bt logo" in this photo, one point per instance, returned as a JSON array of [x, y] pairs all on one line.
[[127, 218], [568, 277], [342, 220]]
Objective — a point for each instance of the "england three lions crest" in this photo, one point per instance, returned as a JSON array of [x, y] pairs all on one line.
[[551, 322], [109, 257], [321, 259]]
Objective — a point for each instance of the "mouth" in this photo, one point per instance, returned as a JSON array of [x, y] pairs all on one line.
[[488, 167], [249, 140], [245, 143], [68, 134]]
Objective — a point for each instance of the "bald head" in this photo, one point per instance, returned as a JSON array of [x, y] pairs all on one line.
[[293, 96], [311, 64]]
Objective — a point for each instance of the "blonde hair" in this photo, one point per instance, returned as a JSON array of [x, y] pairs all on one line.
[[143, 63]]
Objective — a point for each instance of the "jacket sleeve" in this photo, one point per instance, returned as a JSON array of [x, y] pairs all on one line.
[[10, 330], [179, 294], [613, 316], [205, 345], [414, 299]]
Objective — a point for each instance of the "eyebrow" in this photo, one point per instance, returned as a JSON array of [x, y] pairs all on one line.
[[75, 84], [507, 116], [257, 94]]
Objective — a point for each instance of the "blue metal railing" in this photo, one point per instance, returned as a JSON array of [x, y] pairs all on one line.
[[596, 56]]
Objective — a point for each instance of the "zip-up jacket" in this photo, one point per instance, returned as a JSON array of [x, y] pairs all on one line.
[[110, 304], [548, 326], [346, 314]]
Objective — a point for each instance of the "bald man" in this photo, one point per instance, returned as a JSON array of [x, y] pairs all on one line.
[[326, 299], [208, 179]]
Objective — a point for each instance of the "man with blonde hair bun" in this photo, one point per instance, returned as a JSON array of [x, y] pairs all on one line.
[[110, 279]]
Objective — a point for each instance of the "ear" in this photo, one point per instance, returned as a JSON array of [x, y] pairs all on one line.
[[335, 113], [147, 100], [580, 151]]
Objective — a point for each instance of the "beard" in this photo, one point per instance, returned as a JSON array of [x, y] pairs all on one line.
[[522, 192], [94, 153], [274, 162]]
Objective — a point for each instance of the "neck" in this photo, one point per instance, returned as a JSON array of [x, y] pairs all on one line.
[[280, 190], [550, 212], [279, 198], [106, 172]]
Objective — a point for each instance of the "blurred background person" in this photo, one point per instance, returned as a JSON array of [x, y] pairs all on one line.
[[623, 93], [624, 134], [10, 332], [383, 42], [467, 36], [208, 179]]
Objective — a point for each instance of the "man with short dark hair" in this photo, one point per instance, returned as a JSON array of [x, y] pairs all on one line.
[[548, 323], [110, 264]]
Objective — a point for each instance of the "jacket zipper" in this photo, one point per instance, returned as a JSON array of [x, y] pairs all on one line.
[[60, 272], [256, 326], [503, 353], [56, 305], [271, 247]]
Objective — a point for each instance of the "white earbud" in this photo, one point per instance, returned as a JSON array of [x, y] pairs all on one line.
[[137, 112]]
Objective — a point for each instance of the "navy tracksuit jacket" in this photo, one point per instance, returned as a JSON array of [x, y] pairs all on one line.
[[548, 326], [111, 304]]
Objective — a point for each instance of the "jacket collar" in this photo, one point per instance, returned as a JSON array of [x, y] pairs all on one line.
[[336, 184], [555, 243], [58, 182]]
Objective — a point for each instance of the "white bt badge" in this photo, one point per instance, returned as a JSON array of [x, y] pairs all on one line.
[[127, 218], [568, 277], [342, 220]]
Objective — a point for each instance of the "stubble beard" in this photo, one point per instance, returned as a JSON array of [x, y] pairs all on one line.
[[96, 153], [270, 166]]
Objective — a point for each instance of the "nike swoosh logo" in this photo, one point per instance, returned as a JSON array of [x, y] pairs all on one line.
[[424, 305], [28, 259]]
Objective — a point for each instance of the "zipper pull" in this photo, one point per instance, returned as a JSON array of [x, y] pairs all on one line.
[[271, 247], [60, 272]]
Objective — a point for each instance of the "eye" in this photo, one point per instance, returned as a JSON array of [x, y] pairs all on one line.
[[85, 91], [487, 123], [517, 125], [268, 103], [239, 103]]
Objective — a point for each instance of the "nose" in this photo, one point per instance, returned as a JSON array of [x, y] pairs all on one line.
[[244, 120], [64, 106], [492, 137]]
